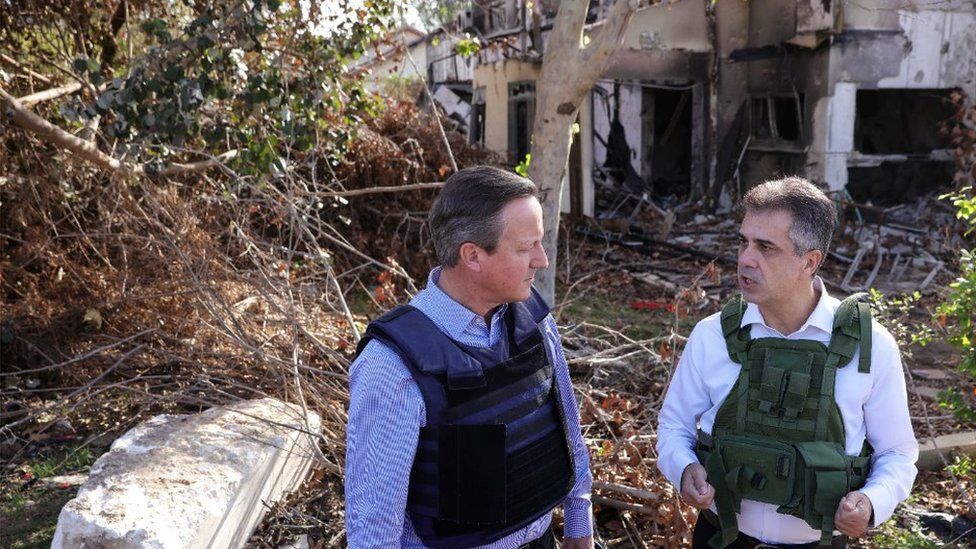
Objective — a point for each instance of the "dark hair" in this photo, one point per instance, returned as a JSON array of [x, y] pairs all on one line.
[[469, 209], [814, 218]]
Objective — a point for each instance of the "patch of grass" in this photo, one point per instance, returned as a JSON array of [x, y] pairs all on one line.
[[618, 314], [890, 536], [29, 511], [80, 459], [30, 516]]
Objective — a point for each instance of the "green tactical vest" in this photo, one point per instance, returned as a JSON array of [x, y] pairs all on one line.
[[779, 436]]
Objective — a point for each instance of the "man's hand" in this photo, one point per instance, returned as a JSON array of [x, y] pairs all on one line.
[[578, 543], [695, 489], [853, 514]]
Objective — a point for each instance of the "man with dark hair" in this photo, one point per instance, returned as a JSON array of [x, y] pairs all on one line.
[[786, 421], [463, 429]]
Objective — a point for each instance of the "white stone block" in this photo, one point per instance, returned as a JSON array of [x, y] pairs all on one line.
[[191, 481]]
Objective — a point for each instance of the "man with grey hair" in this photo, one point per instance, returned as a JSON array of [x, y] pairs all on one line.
[[463, 429], [786, 422]]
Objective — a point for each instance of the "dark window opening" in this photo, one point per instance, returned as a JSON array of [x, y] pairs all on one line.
[[476, 133], [521, 114], [901, 121], [759, 119], [671, 153], [789, 118], [776, 118]]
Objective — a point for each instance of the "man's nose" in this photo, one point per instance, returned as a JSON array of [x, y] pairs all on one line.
[[747, 255], [540, 260]]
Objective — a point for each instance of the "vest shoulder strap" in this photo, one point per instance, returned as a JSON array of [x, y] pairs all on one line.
[[852, 330], [736, 338], [424, 347]]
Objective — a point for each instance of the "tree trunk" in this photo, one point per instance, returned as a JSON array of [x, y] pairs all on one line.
[[570, 69]]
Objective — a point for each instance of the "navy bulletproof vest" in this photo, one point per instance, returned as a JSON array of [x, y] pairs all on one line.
[[494, 454]]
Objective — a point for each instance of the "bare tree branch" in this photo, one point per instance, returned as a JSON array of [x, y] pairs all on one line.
[[15, 64], [49, 94], [87, 150]]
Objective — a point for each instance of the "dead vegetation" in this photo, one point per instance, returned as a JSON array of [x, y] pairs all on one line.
[[126, 297]]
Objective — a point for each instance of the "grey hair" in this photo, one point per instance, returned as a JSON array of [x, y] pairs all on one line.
[[469, 209], [814, 217]]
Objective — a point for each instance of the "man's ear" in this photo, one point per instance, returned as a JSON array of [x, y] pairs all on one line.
[[812, 260], [469, 255]]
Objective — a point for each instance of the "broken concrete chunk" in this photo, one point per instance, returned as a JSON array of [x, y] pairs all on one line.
[[930, 373], [930, 452], [191, 481], [930, 393]]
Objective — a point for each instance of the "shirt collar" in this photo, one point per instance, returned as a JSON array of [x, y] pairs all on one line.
[[821, 318], [450, 316]]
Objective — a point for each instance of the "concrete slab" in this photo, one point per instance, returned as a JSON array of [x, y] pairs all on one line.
[[930, 393], [191, 481], [928, 450], [934, 374]]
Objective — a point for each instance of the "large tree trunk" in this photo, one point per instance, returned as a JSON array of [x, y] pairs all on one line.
[[570, 69]]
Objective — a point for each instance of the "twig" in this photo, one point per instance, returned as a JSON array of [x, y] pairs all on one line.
[[15, 64], [646, 495], [623, 506], [374, 190]]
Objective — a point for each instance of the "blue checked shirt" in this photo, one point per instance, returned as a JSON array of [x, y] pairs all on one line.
[[386, 412]]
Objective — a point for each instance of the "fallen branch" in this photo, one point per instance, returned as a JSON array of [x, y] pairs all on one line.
[[623, 506], [88, 151], [390, 189], [637, 493], [15, 64], [49, 94], [220, 160], [60, 138]]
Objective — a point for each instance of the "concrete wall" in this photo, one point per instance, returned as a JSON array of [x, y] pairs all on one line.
[[669, 27], [894, 44], [495, 77], [399, 66]]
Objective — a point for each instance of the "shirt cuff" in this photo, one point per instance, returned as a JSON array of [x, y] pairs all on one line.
[[677, 465], [578, 517], [882, 503]]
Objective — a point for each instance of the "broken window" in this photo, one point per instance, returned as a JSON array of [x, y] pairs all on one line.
[[670, 167], [477, 125], [901, 121], [521, 114], [900, 151], [778, 118]]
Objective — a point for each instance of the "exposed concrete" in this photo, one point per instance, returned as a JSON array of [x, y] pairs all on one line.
[[191, 481], [495, 78], [929, 458], [668, 26]]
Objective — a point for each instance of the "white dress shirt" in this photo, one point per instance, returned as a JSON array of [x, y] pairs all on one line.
[[873, 405]]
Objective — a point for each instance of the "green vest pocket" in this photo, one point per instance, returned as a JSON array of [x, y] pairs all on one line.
[[758, 468]]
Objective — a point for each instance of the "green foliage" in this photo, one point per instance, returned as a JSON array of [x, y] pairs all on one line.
[[962, 467], [958, 312], [265, 77], [522, 168], [890, 537], [79, 460], [467, 46], [965, 202], [893, 312]]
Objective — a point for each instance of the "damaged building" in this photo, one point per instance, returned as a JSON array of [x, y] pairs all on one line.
[[703, 100], [410, 55]]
